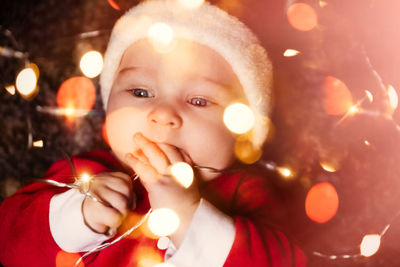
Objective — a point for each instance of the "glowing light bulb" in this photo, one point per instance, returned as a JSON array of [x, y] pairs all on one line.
[[370, 245], [10, 89], [191, 3], [163, 242], [353, 110], [183, 173], [290, 53], [393, 98], [161, 35], [91, 64], [285, 172], [85, 178], [369, 96], [26, 82], [38, 143], [367, 143], [69, 112], [327, 166], [84, 182], [163, 222], [239, 118]]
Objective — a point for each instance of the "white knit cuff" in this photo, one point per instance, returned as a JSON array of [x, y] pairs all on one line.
[[208, 240], [67, 226]]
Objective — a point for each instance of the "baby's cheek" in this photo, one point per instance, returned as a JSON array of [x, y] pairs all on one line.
[[120, 128]]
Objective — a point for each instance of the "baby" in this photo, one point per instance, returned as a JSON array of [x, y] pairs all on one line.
[[165, 100]]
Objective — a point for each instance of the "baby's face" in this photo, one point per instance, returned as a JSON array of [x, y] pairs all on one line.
[[175, 98]]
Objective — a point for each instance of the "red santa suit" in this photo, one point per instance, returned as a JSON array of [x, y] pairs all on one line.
[[42, 225]]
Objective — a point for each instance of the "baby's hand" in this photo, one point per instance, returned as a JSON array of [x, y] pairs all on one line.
[[114, 189], [151, 162]]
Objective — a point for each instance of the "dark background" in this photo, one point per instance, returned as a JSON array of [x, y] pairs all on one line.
[[349, 33]]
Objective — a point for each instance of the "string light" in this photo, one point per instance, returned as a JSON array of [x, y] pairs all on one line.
[[183, 173], [163, 222], [369, 96], [239, 118], [285, 172], [10, 89], [393, 98], [370, 245], [26, 82], [38, 143], [91, 64], [327, 166], [291, 53]]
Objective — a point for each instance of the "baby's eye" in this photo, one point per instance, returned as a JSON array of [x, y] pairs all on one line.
[[138, 92], [197, 101]]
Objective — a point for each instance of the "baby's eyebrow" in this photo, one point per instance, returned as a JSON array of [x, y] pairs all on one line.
[[130, 68], [218, 83]]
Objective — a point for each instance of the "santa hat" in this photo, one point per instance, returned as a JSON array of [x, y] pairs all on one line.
[[207, 25]]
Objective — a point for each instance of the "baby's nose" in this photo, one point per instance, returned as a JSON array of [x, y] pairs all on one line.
[[164, 115]]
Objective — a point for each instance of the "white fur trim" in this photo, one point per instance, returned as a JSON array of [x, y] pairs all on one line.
[[208, 240], [207, 25], [67, 227]]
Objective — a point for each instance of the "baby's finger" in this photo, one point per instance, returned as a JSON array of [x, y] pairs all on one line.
[[172, 153], [146, 172], [122, 183], [154, 154], [115, 199]]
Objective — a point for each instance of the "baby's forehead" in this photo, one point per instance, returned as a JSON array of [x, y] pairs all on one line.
[[187, 59]]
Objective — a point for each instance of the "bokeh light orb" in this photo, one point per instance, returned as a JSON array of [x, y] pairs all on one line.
[[183, 173], [191, 3], [91, 64], [239, 118], [66, 259], [76, 93], [322, 202], [163, 222], [370, 245], [337, 97], [245, 151], [26, 82], [163, 242], [161, 36], [302, 17]]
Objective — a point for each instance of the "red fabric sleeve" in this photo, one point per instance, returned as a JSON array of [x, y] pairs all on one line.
[[259, 246], [257, 240], [25, 237]]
